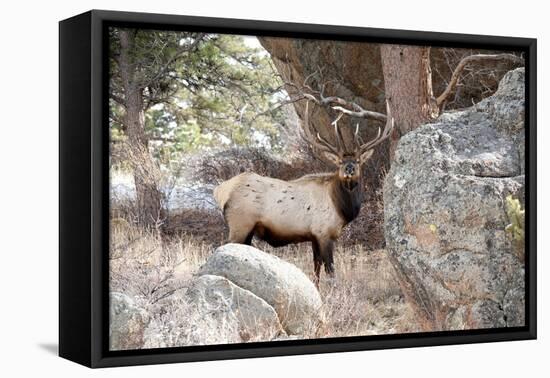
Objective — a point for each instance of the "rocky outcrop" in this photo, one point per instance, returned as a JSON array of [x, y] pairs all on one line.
[[127, 323], [282, 285], [445, 213]]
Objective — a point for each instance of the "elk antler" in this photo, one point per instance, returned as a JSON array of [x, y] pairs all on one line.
[[333, 153], [340, 143], [364, 148], [343, 107]]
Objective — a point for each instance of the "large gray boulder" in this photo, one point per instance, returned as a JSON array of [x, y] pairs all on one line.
[[445, 215], [127, 323], [282, 285], [212, 310], [229, 307]]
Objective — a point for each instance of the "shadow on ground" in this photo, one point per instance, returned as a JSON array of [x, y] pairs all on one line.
[[51, 348]]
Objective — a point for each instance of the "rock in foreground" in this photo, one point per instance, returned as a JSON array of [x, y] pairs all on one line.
[[230, 308], [445, 213], [127, 323], [279, 283]]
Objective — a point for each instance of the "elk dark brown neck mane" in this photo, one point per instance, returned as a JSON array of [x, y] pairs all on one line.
[[347, 197]]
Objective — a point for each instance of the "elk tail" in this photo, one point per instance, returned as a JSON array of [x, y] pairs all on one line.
[[219, 196], [228, 189], [222, 193]]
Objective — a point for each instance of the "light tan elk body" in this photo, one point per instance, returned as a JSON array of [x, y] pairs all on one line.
[[312, 208]]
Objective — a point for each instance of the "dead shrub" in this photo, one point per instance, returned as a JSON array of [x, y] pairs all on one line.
[[203, 225], [218, 166], [476, 83]]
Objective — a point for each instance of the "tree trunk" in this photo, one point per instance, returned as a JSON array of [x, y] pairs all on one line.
[[146, 173], [408, 83]]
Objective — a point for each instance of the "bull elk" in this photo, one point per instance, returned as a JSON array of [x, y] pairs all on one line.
[[313, 208]]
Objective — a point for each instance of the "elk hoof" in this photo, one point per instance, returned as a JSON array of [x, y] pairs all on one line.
[[331, 280]]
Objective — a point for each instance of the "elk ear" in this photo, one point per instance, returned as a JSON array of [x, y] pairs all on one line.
[[363, 158]]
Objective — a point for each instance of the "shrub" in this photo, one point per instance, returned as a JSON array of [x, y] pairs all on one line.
[[516, 228], [215, 167], [477, 82]]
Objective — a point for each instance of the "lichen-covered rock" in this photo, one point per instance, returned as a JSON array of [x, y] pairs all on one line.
[[445, 215], [212, 310], [281, 284], [218, 299], [127, 323]]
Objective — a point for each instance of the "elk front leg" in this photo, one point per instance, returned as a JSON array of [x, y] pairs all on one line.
[[327, 248], [317, 262]]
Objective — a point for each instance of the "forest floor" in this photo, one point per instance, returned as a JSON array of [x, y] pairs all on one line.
[[365, 299]]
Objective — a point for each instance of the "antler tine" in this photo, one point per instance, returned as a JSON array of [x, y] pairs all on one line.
[[337, 132], [357, 137], [327, 144], [316, 141], [337, 119], [382, 134]]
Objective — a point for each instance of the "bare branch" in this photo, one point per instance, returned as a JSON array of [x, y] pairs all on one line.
[[347, 107], [361, 114], [117, 119], [152, 99], [477, 58], [279, 105], [119, 100]]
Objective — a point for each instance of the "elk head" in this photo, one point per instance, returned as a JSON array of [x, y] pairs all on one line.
[[349, 162]]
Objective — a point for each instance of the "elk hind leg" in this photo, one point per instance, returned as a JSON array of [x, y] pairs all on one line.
[[241, 236], [241, 232]]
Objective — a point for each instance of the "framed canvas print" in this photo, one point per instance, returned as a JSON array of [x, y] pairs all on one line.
[[233, 188]]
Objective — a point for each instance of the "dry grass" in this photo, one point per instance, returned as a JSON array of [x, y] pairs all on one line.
[[201, 225], [365, 298], [155, 271], [148, 266]]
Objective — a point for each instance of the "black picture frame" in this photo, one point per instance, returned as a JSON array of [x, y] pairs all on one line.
[[84, 192]]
